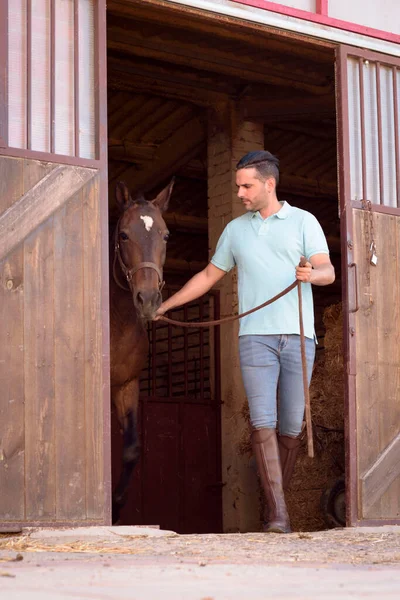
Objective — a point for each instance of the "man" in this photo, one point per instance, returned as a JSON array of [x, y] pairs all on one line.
[[266, 244]]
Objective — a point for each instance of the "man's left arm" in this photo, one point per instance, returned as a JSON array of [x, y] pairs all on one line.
[[318, 270]]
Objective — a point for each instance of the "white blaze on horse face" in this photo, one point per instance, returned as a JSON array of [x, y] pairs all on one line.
[[148, 222]]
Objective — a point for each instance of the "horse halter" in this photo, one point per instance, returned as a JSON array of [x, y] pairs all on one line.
[[129, 273]]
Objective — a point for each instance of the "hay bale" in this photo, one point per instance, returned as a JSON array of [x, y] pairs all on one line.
[[312, 476]]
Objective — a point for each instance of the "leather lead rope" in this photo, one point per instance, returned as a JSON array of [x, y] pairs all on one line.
[[310, 437], [203, 324]]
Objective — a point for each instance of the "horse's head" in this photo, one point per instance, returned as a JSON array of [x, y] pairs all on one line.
[[140, 246]]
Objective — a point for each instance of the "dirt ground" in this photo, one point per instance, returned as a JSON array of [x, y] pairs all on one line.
[[368, 546], [129, 562]]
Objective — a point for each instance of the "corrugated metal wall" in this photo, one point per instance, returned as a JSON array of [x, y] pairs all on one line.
[[51, 75], [374, 92]]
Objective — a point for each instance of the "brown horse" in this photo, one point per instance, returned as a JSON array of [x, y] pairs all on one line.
[[138, 251]]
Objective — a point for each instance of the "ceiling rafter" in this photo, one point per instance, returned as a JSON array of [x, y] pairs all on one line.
[[191, 20], [169, 83], [184, 144], [212, 58]]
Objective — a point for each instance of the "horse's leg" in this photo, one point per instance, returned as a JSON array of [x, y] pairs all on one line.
[[125, 399]]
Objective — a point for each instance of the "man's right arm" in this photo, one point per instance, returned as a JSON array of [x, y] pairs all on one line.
[[198, 285]]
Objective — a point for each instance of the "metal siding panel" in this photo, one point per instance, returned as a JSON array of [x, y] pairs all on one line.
[[87, 113], [371, 192], [396, 103], [375, 115], [355, 167], [3, 73], [64, 78], [17, 75], [388, 137], [40, 92]]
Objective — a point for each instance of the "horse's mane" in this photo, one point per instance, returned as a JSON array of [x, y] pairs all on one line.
[[140, 199]]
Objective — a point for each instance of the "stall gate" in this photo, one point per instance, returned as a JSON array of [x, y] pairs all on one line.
[[177, 483], [369, 152]]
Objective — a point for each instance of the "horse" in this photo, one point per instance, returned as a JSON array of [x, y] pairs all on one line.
[[137, 256]]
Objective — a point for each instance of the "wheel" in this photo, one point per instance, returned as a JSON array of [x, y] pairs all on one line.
[[333, 504]]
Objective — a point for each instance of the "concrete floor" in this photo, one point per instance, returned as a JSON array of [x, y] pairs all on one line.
[[135, 563]]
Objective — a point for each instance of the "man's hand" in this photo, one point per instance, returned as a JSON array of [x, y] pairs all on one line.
[[161, 310], [304, 273], [318, 270]]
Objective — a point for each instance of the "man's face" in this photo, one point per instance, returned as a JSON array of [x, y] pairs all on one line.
[[253, 192]]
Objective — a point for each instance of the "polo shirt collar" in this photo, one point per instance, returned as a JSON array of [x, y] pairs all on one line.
[[285, 210], [283, 213]]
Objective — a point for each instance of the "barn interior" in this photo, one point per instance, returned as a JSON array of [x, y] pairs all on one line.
[[170, 73]]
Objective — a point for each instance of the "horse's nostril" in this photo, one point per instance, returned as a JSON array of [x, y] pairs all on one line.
[[139, 299], [147, 301]]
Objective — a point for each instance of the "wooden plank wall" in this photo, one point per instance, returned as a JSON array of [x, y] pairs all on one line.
[[378, 366], [51, 408], [12, 421]]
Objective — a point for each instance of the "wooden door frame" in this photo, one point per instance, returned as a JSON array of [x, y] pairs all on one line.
[[346, 235], [350, 298], [102, 150]]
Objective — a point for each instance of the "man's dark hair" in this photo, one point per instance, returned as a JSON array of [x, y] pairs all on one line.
[[265, 163]]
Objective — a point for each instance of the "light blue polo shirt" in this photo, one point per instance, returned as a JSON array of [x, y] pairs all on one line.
[[266, 252]]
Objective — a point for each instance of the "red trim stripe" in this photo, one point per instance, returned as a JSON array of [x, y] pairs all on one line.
[[321, 19]]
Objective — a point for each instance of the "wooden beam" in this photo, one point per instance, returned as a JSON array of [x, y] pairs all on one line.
[[183, 145], [168, 83], [178, 265], [327, 131], [306, 186], [194, 169], [186, 222], [380, 476], [222, 27], [125, 150], [39, 203], [293, 107], [216, 53], [211, 59]]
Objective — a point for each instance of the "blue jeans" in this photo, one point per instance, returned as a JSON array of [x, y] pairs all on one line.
[[269, 360]]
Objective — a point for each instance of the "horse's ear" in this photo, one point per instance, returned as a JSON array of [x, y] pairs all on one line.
[[122, 195], [162, 199]]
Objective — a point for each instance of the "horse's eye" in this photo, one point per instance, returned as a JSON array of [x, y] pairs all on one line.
[[123, 236], [166, 237]]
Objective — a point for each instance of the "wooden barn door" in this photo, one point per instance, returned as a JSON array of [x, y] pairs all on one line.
[[369, 155], [54, 371]]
